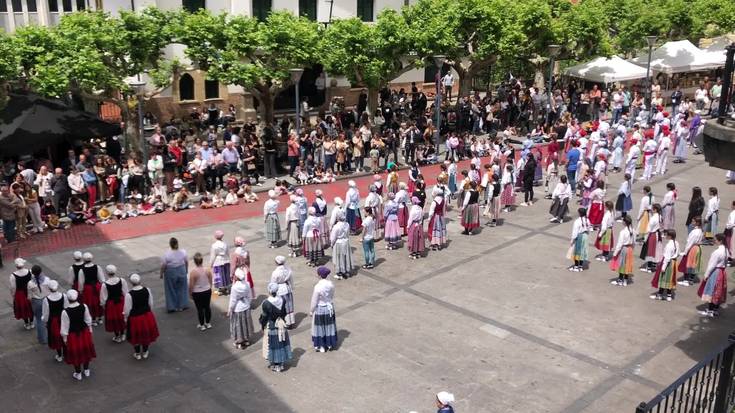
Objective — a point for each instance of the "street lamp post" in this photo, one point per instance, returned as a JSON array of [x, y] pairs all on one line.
[[651, 41], [138, 86], [439, 62], [296, 78], [553, 50]]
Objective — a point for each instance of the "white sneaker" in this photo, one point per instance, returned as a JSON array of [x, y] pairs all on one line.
[[615, 282], [137, 356], [669, 298], [201, 327], [87, 373], [524, 204], [145, 355], [625, 283], [208, 326], [123, 338], [705, 313], [322, 350], [654, 297], [58, 358], [684, 283], [77, 376]]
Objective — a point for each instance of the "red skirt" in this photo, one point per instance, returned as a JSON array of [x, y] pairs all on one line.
[[403, 219], [416, 242], [53, 328], [114, 320], [597, 211], [79, 348], [22, 305], [714, 290], [142, 329], [91, 297]]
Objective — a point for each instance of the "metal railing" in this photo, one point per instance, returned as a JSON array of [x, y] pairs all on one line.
[[707, 387]]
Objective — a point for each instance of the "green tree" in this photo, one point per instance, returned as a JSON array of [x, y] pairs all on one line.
[[257, 56]]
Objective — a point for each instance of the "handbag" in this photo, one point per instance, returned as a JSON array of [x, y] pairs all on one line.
[[570, 252]]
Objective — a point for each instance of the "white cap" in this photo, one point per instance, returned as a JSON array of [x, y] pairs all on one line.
[[72, 295], [134, 279], [351, 183], [280, 260], [53, 285], [20, 262], [87, 256], [445, 398], [77, 255], [111, 269], [338, 200]]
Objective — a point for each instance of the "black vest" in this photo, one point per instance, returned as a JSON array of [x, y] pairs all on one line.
[[474, 197], [114, 292], [140, 302], [76, 318], [55, 308], [90, 275], [21, 282]]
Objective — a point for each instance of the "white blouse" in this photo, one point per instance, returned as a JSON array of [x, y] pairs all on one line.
[[581, 225], [352, 198], [713, 205], [312, 223], [218, 254], [282, 276], [563, 191], [270, 207], [129, 300], [45, 310], [626, 237], [292, 213], [646, 204], [240, 296], [340, 232], [654, 223], [718, 259], [323, 294], [695, 238], [416, 214], [671, 251]]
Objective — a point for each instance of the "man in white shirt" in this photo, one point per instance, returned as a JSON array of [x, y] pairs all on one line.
[[448, 82]]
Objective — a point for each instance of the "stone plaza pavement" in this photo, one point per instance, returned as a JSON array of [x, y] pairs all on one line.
[[496, 319]]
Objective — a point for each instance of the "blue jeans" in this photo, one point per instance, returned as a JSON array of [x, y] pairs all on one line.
[[572, 178], [176, 288], [41, 332], [616, 115], [368, 248], [9, 230]]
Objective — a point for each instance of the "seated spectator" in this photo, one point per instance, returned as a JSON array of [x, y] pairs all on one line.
[[231, 198]]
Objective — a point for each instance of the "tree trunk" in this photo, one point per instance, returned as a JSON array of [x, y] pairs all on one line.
[[372, 104], [265, 106]]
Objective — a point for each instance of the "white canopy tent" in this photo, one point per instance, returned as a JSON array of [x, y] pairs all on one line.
[[680, 56], [607, 70], [720, 43]]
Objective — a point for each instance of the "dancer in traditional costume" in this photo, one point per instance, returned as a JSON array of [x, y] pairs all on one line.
[[270, 213], [341, 252], [219, 261], [320, 207], [508, 196], [712, 217], [281, 276], [579, 243], [492, 209], [691, 260], [651, 248], [729, 228], [338, 210], [668, 217], [416, 241], [632, 160], [451, 177], [403, 202], [713, 290], [303, 206], [471, 210], [312, 239], [368, 238], [597, 204], [142, 326], [74, 270], [76, 332], [238, 311], [649, 157], [644, 212], [323, 321], [604, 240], [90, 279], [623, 257], [352, 199], [276, 343], [112, 298], [375, 202], [392, 235], [240, 258], [664, 279], [561, 195], [379, 187], [293, 227], [53, 306], [391, 182], [19, 280], [624, 202], [437, 231], [444, 402]]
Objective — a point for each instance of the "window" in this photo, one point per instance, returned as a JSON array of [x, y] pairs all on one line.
[[186, 87], [307, 8], [53, 6], [365, 10], [17, 6], [81, 5], [261, 9], [66, 5], [3, 6], [211, 89], [192, 6], [31, 6]]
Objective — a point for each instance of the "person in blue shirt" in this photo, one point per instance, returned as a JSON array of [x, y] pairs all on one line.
[[572, 160], [444, 402]]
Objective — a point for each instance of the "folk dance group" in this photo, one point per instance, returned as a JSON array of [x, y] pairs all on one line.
[[65, 321]]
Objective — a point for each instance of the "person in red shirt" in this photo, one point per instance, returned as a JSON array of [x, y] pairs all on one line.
[[293, 153]]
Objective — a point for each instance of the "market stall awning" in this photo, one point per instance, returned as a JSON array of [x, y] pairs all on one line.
[[607, 70], [679, 57], [29, 123]]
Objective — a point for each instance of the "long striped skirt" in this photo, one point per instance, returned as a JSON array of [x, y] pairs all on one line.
[[324, 230], [710, 227], [294, 235], [354, 219], [692, 262], [114, 320], [471, 217], [437, 231], [290, 317], [324, 327], [221, 275], [313, 248], [53, 328], [392, 230], [605, 241], [507, 196], [623, 262], [22, 305], [581, 248], [142, 329], [272, 228], [649, 250], [342, 256], [91, 297], [665, 277], [379, 219], [643, 222], [79, 348], [278, 352], [714, 289], [667, 217], [241, 326], [416, 241]]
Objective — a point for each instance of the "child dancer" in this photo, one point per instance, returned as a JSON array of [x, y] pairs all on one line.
[[416, 242], [493, 207], [561, 195], [471, 210], [270, 213], [714, 288], [623, 254], [368, 238], [691, 260], [644, 212], [579, 243], [624, 203], [437, 231], [604, 240], [142, 326], [112, 298], [665, 277], [53, 305], [597, 205], [19, 280], [293, 229], [650, 251], [712, 218], [392, 229], [508, 196], [313, 240], [76, 332], [667, 207]]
